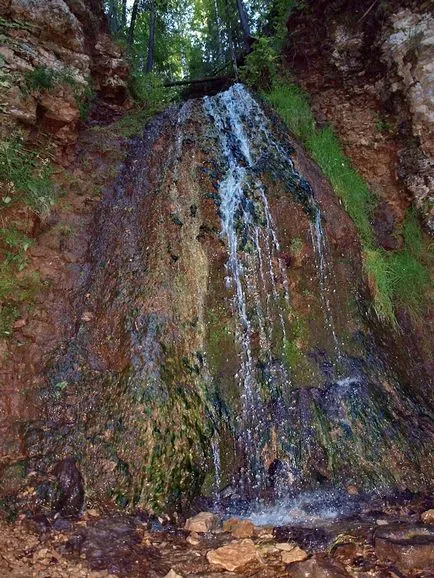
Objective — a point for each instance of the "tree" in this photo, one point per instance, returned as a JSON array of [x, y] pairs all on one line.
[[134, 13], [151, 42]]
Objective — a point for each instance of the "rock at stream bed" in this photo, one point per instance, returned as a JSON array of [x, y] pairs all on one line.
[[427, 517], [317, 568], [234, 556], [239, 528], [293, 554], [409, 548], [202, 523]]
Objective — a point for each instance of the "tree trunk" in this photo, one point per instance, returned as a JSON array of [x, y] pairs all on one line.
[[124, 14], [134, 12], [112, 17], [150, 57], [244, 21]]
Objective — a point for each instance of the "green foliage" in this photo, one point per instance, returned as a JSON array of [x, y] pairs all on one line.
[[379, 273], [400, 277], [25, 176], [349, 185], [280, 11], [40, 77], [149, 91], [293, 106], [395, 278], [16, 290], [17, 244], [260, 66], [44, 78]]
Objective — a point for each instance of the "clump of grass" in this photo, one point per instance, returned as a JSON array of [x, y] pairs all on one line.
[[16, 244], [293, 106], [395, 278], [25, 176], [378, 271]]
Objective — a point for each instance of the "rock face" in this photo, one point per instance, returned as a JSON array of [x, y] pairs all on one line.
[[235, 556], [155, 345], [409, 54], [53, 54], [365, 68]]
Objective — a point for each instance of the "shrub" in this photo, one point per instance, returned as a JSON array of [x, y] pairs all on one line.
[[149, 91], [260, 66]]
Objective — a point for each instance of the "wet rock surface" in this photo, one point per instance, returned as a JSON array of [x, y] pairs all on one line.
[[410, 548], [99, 545]]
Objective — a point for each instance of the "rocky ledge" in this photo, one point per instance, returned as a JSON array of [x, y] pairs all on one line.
[[53, 56]]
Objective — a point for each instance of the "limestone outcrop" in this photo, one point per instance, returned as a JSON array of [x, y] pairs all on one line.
[[54, 55]]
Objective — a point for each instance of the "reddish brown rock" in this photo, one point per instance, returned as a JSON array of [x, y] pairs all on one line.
[[427, 517], [234, 556], [202, 523], [239, 528]]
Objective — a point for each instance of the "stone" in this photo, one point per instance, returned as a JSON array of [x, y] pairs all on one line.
[[296, 554], [69, 497], [173, 574], [427, 517], [286, 546], [234, 556], [408, 548], [239, 528], [317, 568], [202, 523], [193, 539], [55, 19]]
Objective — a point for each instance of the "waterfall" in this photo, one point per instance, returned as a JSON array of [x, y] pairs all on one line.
[[253, 265]]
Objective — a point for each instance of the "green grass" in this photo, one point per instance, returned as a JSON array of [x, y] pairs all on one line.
[[397, 278], [25, 176]]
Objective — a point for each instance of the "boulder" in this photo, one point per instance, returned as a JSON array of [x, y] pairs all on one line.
[[234, 556], [317, 568], [55, 20], [427, 517], [295, 554], [409, 548], [239, 528], [202, 523]]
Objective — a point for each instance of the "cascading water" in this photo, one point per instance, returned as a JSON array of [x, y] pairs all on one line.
[[253, 263]]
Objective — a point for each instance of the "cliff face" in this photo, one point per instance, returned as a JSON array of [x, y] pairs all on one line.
[[54, 54], [56, 58], [369, 71]]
